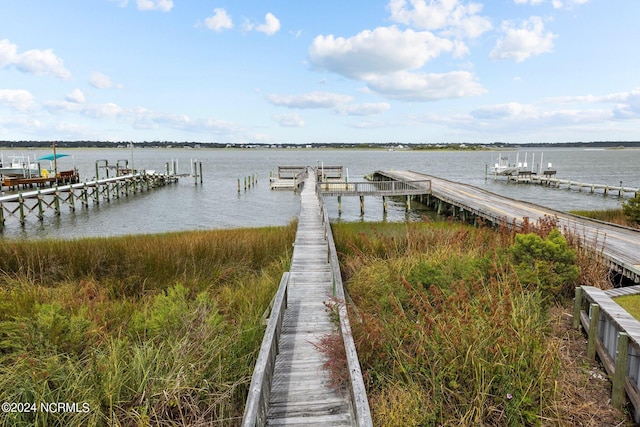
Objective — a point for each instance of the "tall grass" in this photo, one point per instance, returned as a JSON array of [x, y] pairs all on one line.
[[615, 216], [445, 331], [146, 330]]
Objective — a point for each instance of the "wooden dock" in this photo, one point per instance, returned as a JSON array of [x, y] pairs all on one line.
[[551, 181], [23, 204], [620, 246], [290, 385]]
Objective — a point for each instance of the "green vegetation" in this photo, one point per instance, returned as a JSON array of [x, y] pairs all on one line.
[[631, 209], [145, 330], [615, 216], [631, 303], [452, 322]]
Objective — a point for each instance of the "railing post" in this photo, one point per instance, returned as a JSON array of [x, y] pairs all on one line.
[[577, 307], [617, 394], [593, 331]]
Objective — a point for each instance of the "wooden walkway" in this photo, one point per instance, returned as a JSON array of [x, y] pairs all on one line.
[[620, 245], [300, 391]]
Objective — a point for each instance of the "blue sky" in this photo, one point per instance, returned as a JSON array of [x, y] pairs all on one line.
[[247, 71]]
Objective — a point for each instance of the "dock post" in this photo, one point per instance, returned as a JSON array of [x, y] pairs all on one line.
[[593, 331], [384, 204], [72, 201], [620, 373], [40, 210], [56, 201], [238, 185], [339, 205], [577, 307], [361, 205], [21, 205], [1, 215], [200, 167], [620, 191], [408, 203], [606, 190]]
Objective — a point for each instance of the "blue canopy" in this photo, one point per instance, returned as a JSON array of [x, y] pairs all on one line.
[[52, 156]]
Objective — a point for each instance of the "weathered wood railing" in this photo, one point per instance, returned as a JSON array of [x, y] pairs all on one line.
[[614, 335], [375, 188], [358, 393], [255, 413]]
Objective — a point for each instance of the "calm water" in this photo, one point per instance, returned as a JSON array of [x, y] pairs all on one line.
[[217, 204]]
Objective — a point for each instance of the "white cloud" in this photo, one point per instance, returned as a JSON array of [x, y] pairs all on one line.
[[76, 96], [381, 51], [532, 2], [449, 16], [17, 99], [500, 111], [219, 21], [389, 60], [530, 39], [426, 86], [34, 61], [271, 25], [365, 109], [161, 5], [310, 100], [102, 81], [289, 120]]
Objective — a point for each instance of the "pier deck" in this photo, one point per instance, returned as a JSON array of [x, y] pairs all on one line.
[[619, 245], [301, 392]]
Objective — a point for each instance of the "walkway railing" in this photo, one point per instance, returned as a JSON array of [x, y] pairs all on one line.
[[375, 188], [255, 413], [614, 335]]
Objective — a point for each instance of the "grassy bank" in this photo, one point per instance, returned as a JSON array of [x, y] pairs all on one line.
[[452, 327], [615, 216], [137, 330]]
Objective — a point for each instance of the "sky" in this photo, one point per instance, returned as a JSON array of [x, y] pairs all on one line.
[[285, 71]]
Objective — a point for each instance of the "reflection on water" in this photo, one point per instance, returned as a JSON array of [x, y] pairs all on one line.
[[217, 204]]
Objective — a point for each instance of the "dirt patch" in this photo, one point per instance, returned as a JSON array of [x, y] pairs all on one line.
[[584, 383]]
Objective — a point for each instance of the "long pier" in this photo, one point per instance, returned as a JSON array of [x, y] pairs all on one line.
[[620, 246], [548, 181], [290, 386], [37, 202]]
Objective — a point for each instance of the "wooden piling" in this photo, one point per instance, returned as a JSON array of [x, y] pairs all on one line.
[[577, 307], [593, 331], [620, 374], [361, 205]]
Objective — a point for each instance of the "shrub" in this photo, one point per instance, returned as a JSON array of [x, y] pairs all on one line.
[[547, 264], [631, 209]]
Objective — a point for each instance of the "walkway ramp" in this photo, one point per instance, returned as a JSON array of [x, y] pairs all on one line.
[[290, 385], [301, 393]]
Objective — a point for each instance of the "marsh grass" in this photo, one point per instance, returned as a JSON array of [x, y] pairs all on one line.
[[446, 332], [148, 330], [615, 216]]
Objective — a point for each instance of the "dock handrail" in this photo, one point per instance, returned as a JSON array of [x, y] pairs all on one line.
[[358, 393], [255, 412], [613, 334], [375, 188]]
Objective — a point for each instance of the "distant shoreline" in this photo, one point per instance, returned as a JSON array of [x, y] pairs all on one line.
[[392, 146]]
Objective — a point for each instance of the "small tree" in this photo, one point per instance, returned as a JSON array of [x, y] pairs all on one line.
[[546, 264], [631, 209]]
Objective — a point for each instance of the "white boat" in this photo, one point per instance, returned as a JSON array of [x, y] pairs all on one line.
[[19, 166], [502, 167]]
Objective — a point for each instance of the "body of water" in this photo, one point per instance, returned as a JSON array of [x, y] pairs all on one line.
[[217, 204]]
